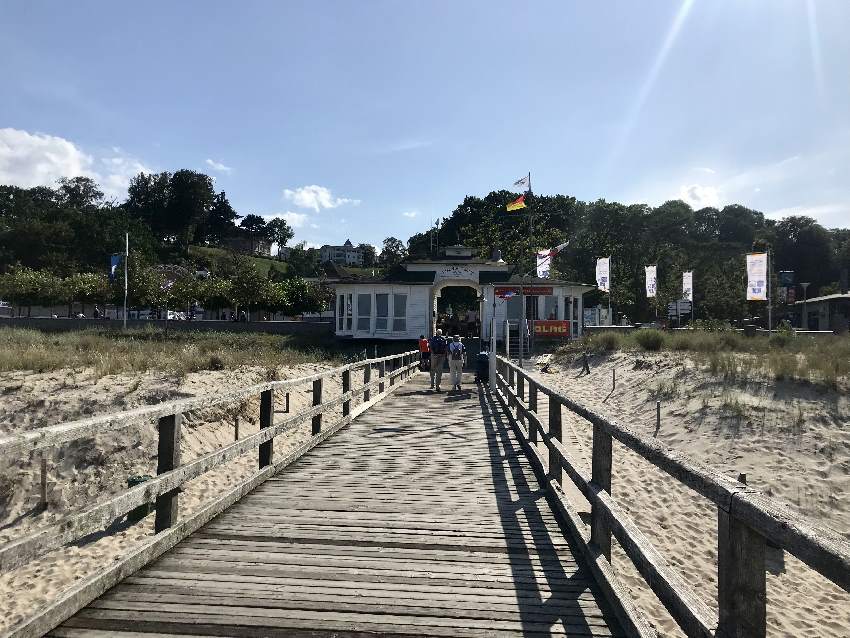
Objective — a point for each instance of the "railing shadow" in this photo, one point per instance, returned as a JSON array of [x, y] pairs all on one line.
[[563, 605]]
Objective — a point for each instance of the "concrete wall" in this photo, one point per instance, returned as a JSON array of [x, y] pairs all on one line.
[[274, 327]]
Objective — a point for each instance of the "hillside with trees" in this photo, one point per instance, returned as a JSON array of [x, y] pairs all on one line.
[[710, 241]]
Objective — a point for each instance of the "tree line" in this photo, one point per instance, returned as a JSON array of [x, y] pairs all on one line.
[[710, 241]]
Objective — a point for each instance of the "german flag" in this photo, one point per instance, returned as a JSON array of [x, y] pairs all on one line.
[[518, 203]]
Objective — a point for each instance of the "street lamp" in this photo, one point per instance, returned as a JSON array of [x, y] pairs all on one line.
[[804, 320]]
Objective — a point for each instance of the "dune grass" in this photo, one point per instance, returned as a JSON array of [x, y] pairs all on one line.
[[113, 352], [823, 360]]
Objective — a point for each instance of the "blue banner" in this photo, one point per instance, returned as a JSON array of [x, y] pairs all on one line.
[[114, 263]]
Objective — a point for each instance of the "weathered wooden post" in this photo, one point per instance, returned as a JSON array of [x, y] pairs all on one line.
[[520, 391], [236, 428], [266, 450], [286, 407], [42, 501], [511, 388], [657, 417], [613, 379], [741, 577], [393, 368], [600, 471], [367, 377], [317, 400], [556, 470], [382, 371], [532, 405], [346, 387], [168, 458]]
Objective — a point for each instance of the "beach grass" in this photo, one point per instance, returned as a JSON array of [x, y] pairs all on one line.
[[139, 350]]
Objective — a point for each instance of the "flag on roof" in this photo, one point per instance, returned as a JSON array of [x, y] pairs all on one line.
[[518, 203], [523, 182]]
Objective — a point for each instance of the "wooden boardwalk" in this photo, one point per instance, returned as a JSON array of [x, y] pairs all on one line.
[[423, 517]]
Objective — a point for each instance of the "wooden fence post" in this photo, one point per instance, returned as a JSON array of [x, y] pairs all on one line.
[[741, 579], [393, 368], [520, 392], [168, 458], [511, 389], [556, 470], [42, 499], [266, 420], [532, 405], [317, 400], [346, 387], [382, 371], [600, 530], [236, 428], [286, 408], [367, 377]]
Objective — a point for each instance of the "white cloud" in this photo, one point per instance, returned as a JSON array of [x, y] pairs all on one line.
[[410, 214], [699, 196], [295, 220], [316, 198], [401, 146], [705, 169], [37, 159], [833, 215], [217, 166]]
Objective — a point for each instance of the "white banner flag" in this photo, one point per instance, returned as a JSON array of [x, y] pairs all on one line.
[[603, 279], [651, 280], [757, 277], [544, 263], [688, 285]]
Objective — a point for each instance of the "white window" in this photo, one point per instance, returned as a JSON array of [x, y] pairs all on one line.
[[399, 312], [340, 313], [364, 312], [348, 311], [382, 311], [550, 307]]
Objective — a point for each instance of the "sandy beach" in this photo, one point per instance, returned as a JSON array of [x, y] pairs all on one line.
[[792, 440], [84, 472]]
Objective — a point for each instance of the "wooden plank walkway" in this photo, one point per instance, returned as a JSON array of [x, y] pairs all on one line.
[[422, 518]]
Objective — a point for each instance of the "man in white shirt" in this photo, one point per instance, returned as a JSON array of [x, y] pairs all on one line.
[[457, 355]]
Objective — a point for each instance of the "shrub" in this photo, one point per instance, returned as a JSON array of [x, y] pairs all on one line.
[[778, 340], [651, 340], [606, 342]]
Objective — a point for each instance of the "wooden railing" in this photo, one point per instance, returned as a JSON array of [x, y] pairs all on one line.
[[163, 489], [747, 519]]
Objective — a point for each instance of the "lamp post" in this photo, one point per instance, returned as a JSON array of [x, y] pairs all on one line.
[[804, 320]]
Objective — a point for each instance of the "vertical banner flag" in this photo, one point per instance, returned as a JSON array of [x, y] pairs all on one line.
[[757, 277], [688, 285], [603, 280], [651, 280], [544, 264], [114, 263]]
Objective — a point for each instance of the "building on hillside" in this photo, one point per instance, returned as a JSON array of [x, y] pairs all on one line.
[[241, 241], [346, 255], [403, 303], [830, 312]]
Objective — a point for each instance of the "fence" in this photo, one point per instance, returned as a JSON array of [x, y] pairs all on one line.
[[163, 490], [747, 520]]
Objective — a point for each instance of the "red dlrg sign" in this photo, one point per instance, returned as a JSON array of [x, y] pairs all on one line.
[[550, 329]]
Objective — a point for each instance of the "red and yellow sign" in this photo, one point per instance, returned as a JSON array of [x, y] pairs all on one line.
[[549, 329], [539, 291]]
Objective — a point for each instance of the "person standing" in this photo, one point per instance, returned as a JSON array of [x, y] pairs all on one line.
[[457, 356], [424, 353], [438, 347]]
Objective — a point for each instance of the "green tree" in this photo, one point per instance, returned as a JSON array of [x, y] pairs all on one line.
[[221, 219], [393, 251], [189, 205], [82, 193], [370, 257], [256, 228], [279, 232]]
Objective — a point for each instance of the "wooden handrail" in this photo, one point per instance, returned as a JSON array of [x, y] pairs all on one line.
[[163, 488], [747, 519]]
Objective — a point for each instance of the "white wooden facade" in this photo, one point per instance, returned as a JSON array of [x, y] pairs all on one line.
[[372, 309]]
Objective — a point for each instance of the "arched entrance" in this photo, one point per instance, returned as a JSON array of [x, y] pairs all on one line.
[[453, 309]]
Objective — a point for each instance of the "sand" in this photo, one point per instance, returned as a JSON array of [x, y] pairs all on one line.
[[84, 472], [791, 440]]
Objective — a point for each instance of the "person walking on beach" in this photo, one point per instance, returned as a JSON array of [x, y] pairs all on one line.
[[457, 355], [438, 346], [424, 353]]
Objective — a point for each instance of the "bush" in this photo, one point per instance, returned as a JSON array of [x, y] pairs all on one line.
[[778, 340], [651, 340], [606, 342]]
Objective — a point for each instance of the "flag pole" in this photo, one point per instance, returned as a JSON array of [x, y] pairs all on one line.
[[126, 259]]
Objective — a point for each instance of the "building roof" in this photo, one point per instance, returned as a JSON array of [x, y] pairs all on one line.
[[843, 295]]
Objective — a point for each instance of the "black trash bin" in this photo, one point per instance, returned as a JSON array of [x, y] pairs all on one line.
[[482, 367]]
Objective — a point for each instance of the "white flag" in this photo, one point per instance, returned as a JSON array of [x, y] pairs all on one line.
[[651, 280], [757, 277], [522, 182], [603, 279], [544, 264], [688, 285]]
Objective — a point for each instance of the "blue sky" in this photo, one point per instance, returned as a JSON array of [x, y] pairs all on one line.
[[369, 119]]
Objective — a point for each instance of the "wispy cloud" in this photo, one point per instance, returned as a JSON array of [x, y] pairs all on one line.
[[705, 169], [699, 196], [38, 159], [404, 145], [316, 198], [410, 214], [295, 220], [217, 166]]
